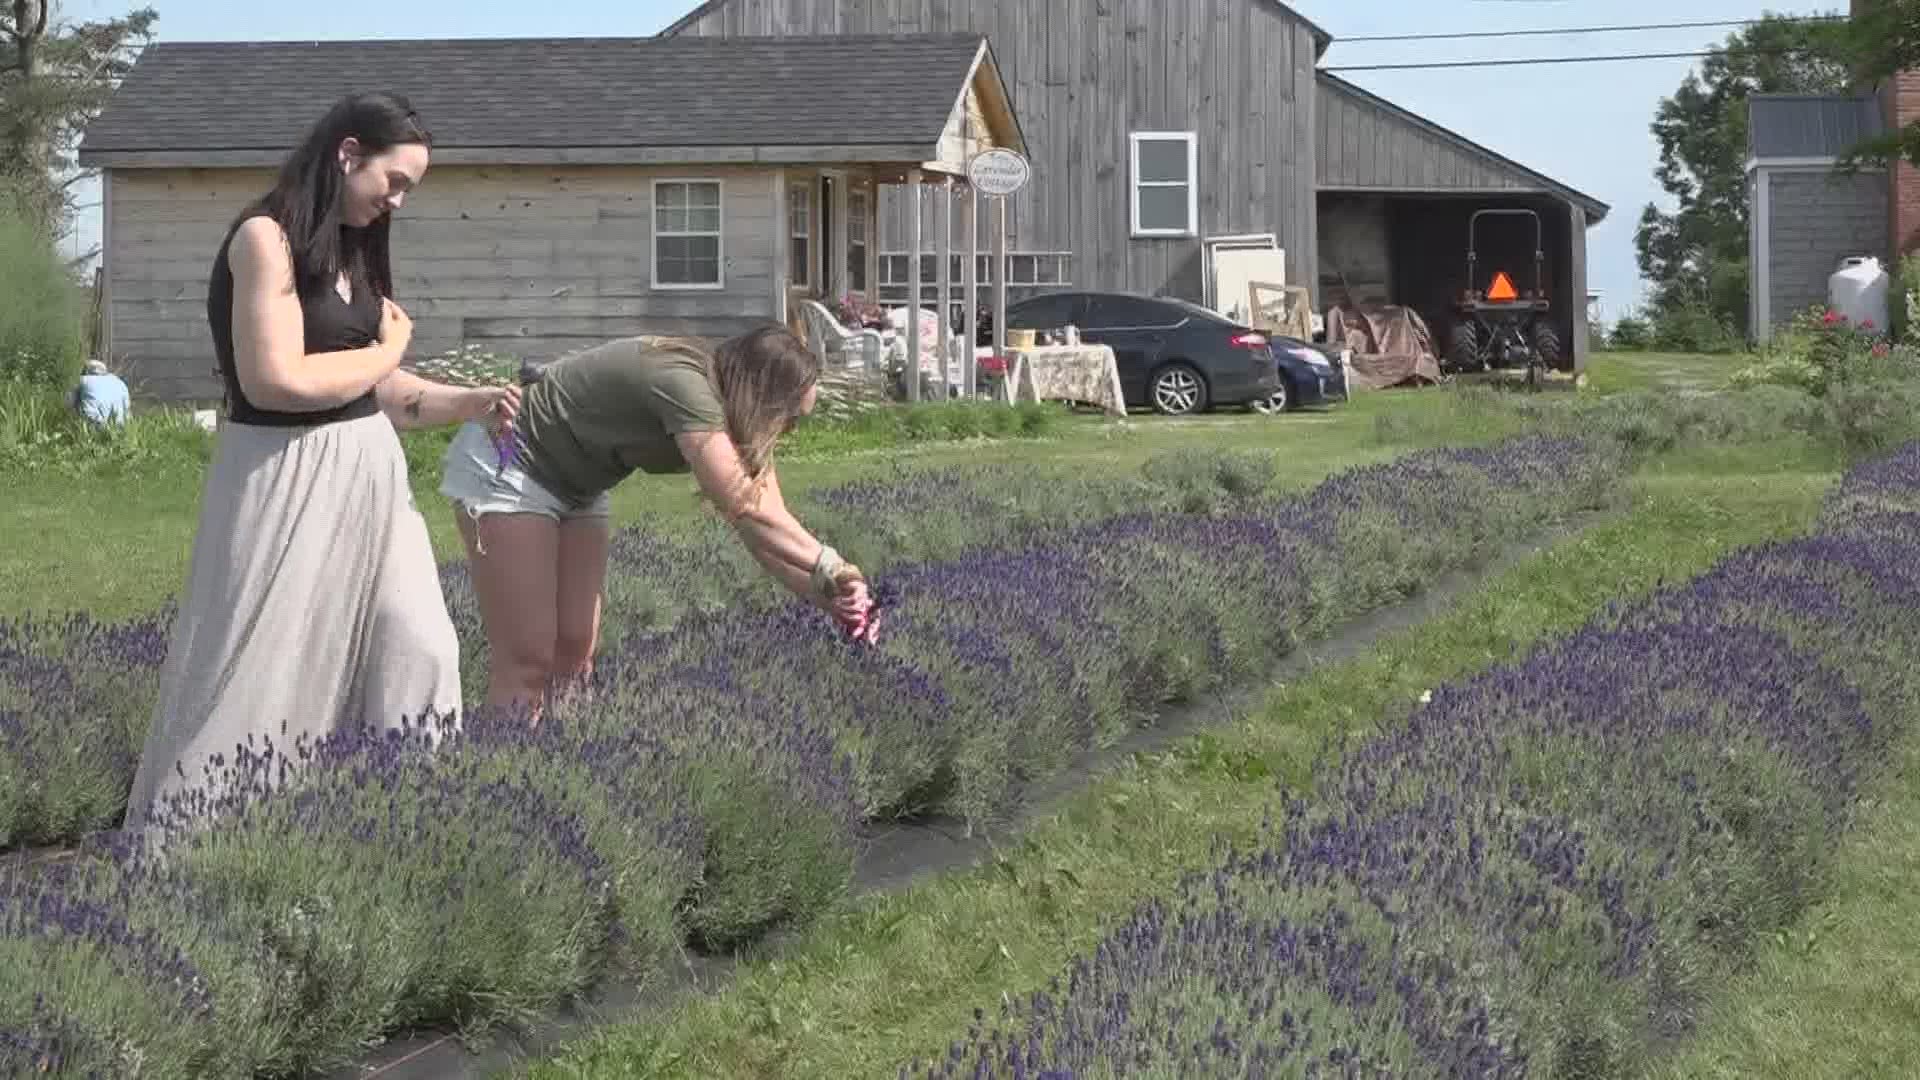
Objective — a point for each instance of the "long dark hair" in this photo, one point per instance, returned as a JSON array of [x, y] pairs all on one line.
[[305, 200]]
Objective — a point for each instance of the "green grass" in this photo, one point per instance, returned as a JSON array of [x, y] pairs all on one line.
[[895, 976], [1613, 372], [115, 542], [1837, 996]]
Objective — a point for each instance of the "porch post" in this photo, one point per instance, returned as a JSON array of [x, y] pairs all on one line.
[[970, 318], [1000, 276], [912, 331], [836, 277], [943, 276]]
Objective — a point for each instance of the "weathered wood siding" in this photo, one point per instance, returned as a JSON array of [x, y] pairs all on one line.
[[527, 260], [1083, 74], [1363, 146]]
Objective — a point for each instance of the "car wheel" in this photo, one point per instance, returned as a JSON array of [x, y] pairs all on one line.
[[1275, 403], [1178, 390]]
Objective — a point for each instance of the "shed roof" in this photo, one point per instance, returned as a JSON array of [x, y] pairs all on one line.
[[1801, 126], [1511, 175], [484, 98]]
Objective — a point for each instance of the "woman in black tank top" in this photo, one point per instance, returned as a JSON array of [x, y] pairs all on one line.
[[313, 601]]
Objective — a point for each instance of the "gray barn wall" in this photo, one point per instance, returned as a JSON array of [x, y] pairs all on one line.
[[1815, 220], [1085, 73]]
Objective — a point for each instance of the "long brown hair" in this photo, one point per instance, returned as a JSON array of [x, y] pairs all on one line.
[[761, 377], [305, 199]]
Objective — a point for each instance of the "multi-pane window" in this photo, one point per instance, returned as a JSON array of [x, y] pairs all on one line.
[[1165, 191], [688, 249], [800, 230]]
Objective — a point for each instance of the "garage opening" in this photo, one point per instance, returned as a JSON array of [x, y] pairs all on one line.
[[1411, 250]]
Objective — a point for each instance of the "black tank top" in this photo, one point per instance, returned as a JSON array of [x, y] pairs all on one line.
[[331, 325]]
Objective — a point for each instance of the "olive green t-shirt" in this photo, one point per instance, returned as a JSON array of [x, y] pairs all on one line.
[[599, 415]]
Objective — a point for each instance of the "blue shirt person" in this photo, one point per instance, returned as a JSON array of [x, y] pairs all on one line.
[[102, 396]]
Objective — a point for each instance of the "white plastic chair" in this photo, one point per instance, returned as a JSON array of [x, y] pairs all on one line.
[[856, 348]]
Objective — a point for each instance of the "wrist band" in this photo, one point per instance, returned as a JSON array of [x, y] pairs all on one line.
[[824, 568]]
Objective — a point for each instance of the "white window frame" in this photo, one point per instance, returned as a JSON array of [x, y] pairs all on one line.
[[720, 260], [1192, 184], [800, 219], [862, 243]]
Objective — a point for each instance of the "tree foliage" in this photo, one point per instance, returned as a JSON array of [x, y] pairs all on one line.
[[1696, 255], [55, 77], [1883, 40]]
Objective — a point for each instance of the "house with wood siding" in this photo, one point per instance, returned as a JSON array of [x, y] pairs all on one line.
[[1158, 125], [581, 189]]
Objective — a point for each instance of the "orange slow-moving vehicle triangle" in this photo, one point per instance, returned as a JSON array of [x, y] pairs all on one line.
[[1502, 288]]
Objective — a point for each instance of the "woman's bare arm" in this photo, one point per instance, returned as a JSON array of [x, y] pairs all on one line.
[[413, 402], [274, 369], [771, 533]]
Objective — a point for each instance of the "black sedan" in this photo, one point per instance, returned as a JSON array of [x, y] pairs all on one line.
[[1310, 376], [1176, 357]]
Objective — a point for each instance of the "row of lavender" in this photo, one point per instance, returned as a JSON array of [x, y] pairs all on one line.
[[1547, 868], [711, 784]]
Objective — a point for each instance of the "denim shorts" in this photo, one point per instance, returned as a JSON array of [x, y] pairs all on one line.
[[471, 475]]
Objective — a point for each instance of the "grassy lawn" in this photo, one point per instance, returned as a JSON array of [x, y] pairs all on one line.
[[1839, 995], [118, 545], [1612, 372], [897, 976]]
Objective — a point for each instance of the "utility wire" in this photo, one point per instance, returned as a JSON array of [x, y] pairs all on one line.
[[1537, 60], [1635, 28]]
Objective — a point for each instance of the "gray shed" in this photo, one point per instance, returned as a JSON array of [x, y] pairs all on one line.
[[581, 189], [1805, 216]]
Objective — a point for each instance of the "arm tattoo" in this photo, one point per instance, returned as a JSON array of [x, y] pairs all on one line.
[[413, 404]]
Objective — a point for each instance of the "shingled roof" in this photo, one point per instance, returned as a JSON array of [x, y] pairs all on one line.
[[483, 98]]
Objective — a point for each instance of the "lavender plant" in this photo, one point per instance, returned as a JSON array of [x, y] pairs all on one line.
[[1545, 869]]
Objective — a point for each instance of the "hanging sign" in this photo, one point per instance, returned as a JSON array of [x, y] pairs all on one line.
[[999, 172]]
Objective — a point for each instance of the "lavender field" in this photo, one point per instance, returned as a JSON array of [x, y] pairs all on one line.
[[712, 783], [1544, 870]]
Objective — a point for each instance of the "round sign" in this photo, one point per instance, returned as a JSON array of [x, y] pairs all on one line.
[[999, 172]]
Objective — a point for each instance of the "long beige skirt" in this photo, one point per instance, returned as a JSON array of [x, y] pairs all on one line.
[[312, 602]]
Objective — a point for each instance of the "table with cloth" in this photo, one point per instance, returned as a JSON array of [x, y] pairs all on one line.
[[1084, 373]]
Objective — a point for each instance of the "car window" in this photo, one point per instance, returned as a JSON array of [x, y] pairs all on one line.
[[1126, 312], [1193, 310], [1043, 312]]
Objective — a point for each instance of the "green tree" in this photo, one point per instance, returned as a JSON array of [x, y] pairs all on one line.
[[1883, 40], [1695, 257], [55, 77]]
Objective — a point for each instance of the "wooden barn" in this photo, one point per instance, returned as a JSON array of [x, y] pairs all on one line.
[[1158, 126], [581, 189]]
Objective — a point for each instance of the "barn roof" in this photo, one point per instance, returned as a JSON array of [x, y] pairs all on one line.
[[592, 100], [1321, 39], [1801, 126]]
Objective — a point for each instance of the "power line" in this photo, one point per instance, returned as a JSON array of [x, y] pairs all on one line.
[[1435, 64], [1627, 29]]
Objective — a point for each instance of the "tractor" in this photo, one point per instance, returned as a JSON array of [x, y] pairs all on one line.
[[1502, 328]]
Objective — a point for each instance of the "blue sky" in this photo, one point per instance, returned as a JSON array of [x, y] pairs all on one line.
[[1585, 125]]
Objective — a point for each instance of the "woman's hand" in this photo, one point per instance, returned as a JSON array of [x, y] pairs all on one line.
[[851, 605], [499, 404], [396, 329]]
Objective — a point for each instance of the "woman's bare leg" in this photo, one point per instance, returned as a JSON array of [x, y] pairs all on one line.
[[517, 582], [582, 576]]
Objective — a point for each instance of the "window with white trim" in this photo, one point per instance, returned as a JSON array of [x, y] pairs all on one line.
[[688, 248], [1165, 189], [800, 233], [857, 241]]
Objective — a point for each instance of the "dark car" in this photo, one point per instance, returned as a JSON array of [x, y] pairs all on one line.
[[1175, 357], [1311, 376]]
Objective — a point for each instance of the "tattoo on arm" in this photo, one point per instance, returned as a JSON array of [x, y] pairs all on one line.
[[413, 404]]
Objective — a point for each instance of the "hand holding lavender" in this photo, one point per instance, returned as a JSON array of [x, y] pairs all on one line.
[[476, 368]]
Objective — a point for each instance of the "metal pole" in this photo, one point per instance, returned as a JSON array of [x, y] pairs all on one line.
[[970, 377], [943, 276], [1000, 278], [914, 239]]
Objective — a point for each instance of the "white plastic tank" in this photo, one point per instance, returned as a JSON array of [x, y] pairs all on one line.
[[1858, 291]]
